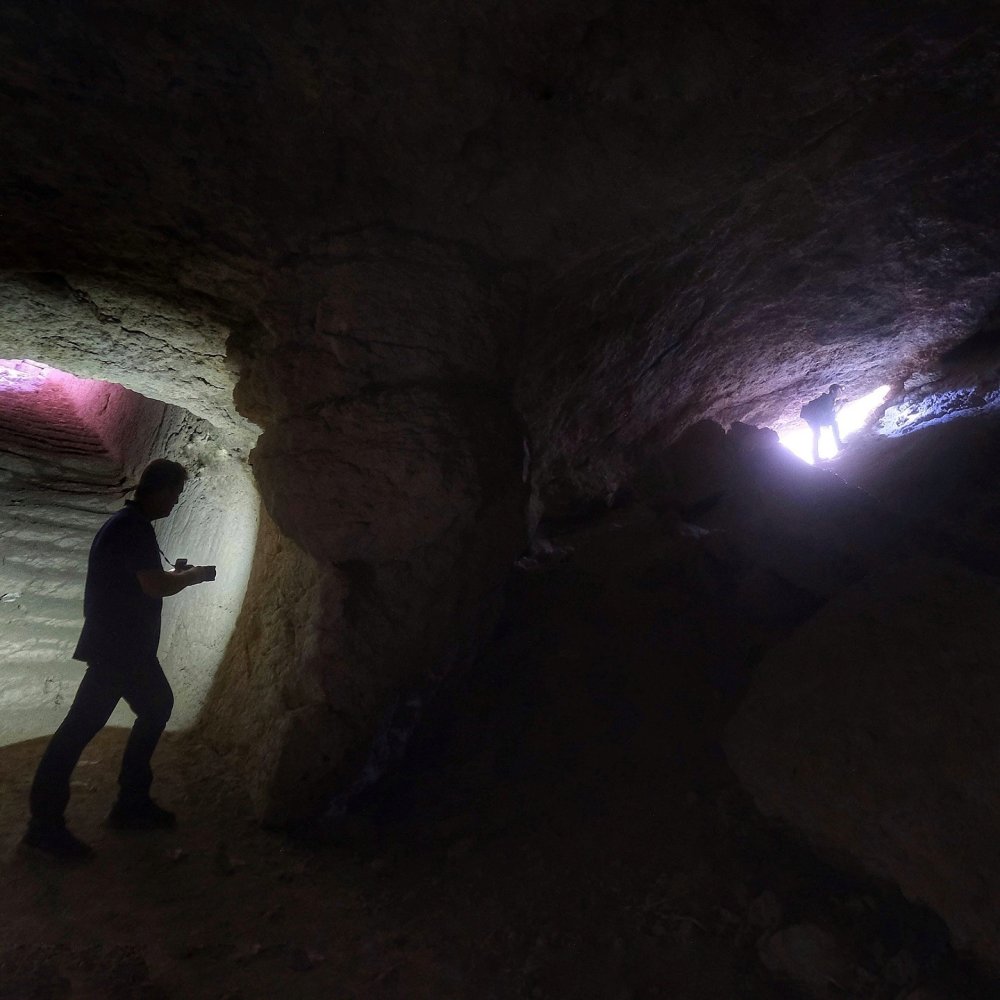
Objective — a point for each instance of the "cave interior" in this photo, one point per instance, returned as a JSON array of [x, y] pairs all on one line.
[[538, 638]]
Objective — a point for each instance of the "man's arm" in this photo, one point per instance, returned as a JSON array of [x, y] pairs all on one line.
[[159, 583]]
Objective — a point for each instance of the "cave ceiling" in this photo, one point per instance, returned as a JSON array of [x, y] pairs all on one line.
[[678, 210]]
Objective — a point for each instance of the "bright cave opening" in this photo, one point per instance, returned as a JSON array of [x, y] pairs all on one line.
[[854, 415], [70, 450]]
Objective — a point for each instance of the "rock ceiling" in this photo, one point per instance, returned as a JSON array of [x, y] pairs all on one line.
[[679, 210]]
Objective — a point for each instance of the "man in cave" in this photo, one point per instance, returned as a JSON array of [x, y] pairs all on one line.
[[822, 412], [123, 598]]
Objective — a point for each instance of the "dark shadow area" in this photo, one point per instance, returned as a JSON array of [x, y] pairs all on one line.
[[587, 739], [982, 344]]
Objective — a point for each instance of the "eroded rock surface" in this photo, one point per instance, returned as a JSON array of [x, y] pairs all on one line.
[[873, 730], [107, 330], [713, 209], [392, 462]]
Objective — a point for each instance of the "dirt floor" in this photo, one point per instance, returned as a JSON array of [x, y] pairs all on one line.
[[563, 827]]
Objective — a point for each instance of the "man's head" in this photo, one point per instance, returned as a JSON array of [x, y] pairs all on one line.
[[835, 389], [160, 487]]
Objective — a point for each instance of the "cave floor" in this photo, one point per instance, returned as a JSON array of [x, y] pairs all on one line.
[[564, 826], [221, 908]]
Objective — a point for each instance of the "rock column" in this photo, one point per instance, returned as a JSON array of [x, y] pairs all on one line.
[[391, 468]]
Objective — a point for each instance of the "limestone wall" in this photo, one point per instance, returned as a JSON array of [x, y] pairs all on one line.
[[391, 468], [215, 524], [113, 331], [392, 473], [82, 444]]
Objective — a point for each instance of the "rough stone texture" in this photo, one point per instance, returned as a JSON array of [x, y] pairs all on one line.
[[840, 230], [393, 460], [870, 729], [873, 730], [428, 232], [59, 483], [686, 186], [259, 707], [789, 535], [214, 524], [101, 329]]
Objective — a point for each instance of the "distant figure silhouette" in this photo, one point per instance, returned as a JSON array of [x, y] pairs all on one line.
[[822, 412], [121, 631]]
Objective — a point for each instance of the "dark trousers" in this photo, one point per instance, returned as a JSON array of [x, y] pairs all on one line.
[[148, 694]]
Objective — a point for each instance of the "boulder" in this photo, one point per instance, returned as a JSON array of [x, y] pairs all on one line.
[[872, 729], [685, 474], [799, 525]]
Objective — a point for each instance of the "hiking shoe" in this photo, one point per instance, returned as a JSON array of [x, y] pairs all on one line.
[[57, 841], [145, 815]]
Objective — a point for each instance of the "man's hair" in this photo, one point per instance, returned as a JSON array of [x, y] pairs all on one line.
[[160, 474], [834, 387]]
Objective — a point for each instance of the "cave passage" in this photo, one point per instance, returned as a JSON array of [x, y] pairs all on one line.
[[70, 450], [852, 417]]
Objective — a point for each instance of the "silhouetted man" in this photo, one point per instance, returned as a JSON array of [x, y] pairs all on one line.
[[122, 601], [822, 412]]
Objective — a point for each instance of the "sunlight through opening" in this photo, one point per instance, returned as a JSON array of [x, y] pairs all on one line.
[[851, 417]]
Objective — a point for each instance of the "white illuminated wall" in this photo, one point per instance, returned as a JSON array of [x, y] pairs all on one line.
[[70, 447], [214, 524]]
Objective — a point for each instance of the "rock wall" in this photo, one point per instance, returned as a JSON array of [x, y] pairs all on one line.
[[869, 728], [214, 524], [405, 238], [716, 208], [392, 464], [873, 731], [109, 330], [268, 692], [392, 461], [58, 484], [72, 449]]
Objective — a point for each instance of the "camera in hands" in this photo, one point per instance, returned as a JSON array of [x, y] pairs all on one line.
[[207, 573]]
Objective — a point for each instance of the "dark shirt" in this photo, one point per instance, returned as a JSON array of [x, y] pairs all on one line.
[[821, 411], [120, 620]]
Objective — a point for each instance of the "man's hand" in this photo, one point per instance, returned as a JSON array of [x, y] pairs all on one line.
[[157, 583]]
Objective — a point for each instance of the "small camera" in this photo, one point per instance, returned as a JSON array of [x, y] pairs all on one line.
[[181, 564]]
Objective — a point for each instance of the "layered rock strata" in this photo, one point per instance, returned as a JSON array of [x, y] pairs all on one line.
[[72, 450]]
